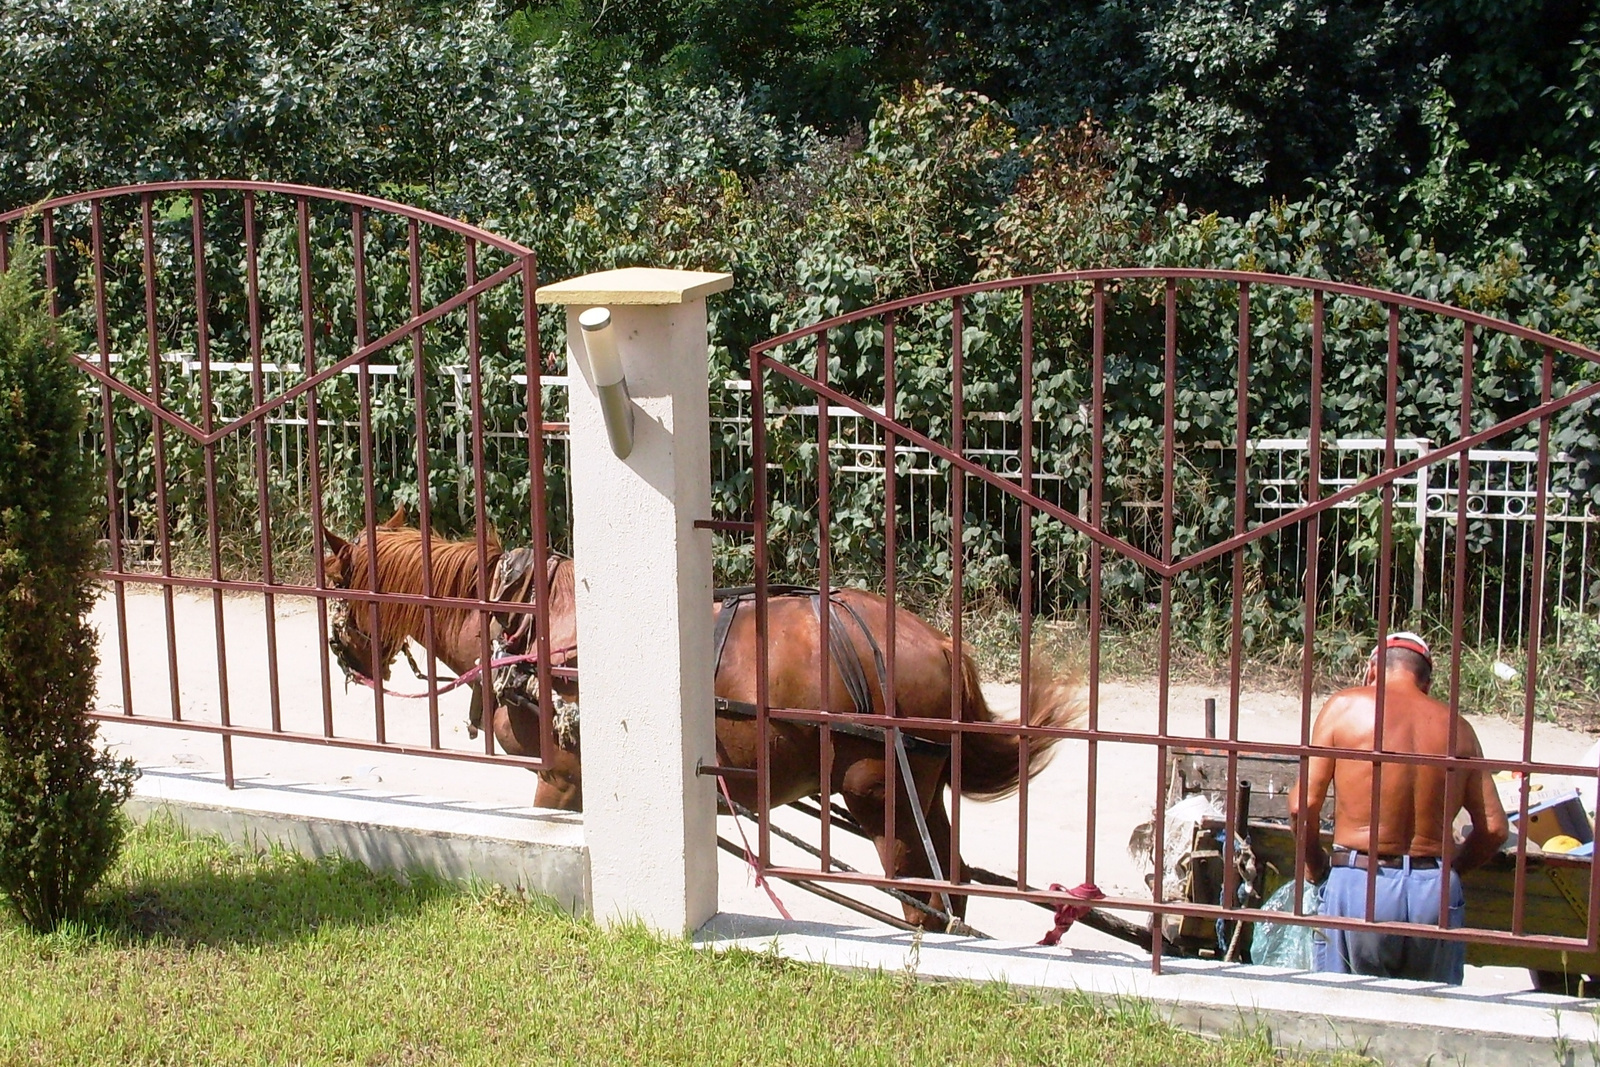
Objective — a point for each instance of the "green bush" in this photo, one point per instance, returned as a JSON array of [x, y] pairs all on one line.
[[60, 797]]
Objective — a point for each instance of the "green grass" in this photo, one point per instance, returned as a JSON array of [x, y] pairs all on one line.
[[199, 953]]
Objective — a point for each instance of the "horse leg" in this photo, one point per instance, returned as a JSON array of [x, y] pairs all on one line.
[[561, 779], [903, 855], [560, 783]]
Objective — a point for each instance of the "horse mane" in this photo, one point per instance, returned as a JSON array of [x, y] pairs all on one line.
[[453, 566]]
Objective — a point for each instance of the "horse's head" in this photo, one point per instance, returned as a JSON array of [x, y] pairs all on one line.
[[346, 567]]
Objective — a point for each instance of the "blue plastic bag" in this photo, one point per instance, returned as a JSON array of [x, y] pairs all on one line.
[[1282, 944]]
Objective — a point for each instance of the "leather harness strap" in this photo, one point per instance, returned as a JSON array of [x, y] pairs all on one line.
[[840, 651], [513, 584], [844, 657]]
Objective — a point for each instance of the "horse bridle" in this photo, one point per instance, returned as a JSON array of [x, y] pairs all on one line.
[[342, 625], [342, 629]]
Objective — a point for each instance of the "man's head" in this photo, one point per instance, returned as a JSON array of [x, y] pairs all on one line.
[[1405, 653]]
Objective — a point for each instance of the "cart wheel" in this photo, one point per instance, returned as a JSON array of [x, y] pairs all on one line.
[[1567, 985]]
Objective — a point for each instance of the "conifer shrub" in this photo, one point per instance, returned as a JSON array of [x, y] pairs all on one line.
[[60, 795]]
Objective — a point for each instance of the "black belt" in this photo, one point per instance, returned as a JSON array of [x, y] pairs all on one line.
[[1359, 860]]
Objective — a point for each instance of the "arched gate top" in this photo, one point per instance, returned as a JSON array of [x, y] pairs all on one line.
[[310, 192]]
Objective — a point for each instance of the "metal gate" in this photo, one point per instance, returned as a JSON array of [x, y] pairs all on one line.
[[270, 362], [1116, 381]]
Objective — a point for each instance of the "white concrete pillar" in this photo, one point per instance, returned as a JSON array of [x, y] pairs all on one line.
[[644, 600]]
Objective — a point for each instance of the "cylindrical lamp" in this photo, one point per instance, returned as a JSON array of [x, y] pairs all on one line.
[[610, 384]]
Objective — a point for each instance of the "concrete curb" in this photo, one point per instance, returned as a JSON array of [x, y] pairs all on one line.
[[1390, 1020], [523, 849]]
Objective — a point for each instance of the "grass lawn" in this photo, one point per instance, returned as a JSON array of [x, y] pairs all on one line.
[[201, 953]]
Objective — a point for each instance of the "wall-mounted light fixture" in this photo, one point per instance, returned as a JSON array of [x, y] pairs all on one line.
[[609, 382]]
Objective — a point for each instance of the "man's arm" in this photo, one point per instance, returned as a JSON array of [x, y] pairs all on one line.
[[1482, 801], [1318, 779]]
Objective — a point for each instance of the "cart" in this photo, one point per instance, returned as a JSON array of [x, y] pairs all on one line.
[[1556, 900]]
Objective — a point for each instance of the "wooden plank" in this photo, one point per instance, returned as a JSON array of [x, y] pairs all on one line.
[[1271, 780]]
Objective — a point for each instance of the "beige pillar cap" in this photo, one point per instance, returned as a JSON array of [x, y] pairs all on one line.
[[635, 285]]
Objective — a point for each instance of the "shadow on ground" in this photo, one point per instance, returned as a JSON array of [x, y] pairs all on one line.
[[172, 888]]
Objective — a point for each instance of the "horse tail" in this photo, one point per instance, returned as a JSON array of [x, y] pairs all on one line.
[[989, 761]]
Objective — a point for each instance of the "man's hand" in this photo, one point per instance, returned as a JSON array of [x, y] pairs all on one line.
[[1490, 827]]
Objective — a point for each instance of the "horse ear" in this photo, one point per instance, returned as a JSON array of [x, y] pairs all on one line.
[[493, 539], [398, 519], [333, 541]]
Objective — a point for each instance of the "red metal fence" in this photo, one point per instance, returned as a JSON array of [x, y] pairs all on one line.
[[344, 310], [1147, 362]]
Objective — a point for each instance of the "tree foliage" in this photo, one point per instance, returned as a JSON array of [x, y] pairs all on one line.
[[1238, 101], [1445, 148]]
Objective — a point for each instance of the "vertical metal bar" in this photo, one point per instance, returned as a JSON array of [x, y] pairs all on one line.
[[758, 458], [308, 341], [891, 704], [50, 261], [159, 443], [419, 382], [1457, 610], [5, 246], [1024, 715], [824, 580], [108, 432], [1163, 700], [209, 451], [263, 492], [358, 259], [1420, 547], [533, 368], [480, 507], [1241, 504], [1391, 402], [958, 503], [1541, 535], [1097, 430], [1313, 559]]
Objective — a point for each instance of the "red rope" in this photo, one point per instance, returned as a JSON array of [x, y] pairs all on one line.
[[1067, 914], [749, 857]]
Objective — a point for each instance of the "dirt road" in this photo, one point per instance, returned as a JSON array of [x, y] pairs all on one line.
[[1058, 831]]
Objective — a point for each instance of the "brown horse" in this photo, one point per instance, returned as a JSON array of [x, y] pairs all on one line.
[[923, 669], [456, 637]]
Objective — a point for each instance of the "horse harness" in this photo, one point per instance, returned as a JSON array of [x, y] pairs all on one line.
[[516, 684], [840, 652], [513, 583]]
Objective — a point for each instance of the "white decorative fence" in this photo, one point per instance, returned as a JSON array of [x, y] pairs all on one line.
[[1502, 489]]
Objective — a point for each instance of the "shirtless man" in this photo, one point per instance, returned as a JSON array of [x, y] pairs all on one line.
[[1414, 814]]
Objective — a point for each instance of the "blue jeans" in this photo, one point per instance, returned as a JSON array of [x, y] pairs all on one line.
[[1404, 895]]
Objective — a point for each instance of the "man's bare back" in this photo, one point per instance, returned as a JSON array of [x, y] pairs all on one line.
[[1414, 812], [1386, 867]]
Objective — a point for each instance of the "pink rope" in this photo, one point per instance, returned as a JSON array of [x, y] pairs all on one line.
[[1067, 914], [749, 857], [461, 679]]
